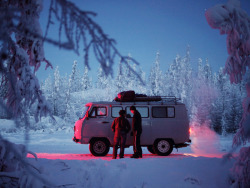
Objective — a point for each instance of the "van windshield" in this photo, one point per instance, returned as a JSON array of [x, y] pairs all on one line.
[[85, 109]]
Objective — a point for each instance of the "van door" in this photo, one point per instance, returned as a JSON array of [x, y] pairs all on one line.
[[114, 114], [98, 124], [164, 122], [146, 136]]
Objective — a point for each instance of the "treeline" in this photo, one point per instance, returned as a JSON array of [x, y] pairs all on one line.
[[210, 98]]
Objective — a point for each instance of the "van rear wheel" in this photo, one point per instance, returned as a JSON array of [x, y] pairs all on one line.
[[99, 147], [163, 147], [151, 149]]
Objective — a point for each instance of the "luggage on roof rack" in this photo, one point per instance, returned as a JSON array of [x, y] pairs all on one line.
[[125, 96], [131, 96]]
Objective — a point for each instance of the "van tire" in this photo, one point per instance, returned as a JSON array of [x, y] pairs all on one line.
[[163, 147], [99, 147], [151, 149]]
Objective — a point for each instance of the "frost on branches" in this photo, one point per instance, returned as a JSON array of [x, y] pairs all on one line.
[[21, 53], [15, 170], [231, 20]]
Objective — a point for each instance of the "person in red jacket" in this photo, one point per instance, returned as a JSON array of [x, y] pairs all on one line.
[[137, 131], [120, 127]]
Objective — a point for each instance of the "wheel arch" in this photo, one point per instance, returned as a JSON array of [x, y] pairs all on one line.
[[168, 139], [165, 148], [99, 146], [100, 138]]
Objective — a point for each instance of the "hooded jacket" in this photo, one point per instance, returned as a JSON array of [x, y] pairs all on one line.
[[119, 125]]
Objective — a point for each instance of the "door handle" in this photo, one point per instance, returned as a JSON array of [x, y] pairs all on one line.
[[105, 122]]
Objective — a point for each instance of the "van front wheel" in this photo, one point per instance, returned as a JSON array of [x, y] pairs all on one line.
[[99, 147], [163, 147]]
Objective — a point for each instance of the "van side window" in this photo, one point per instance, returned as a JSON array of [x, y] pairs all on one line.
[[163, 112], [115, 111], [171, 112], [142, 109], [98, 111]]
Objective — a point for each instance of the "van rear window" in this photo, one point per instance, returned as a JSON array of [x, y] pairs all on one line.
[[163, 112]]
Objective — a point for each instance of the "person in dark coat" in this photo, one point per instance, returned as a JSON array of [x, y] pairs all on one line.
[[120, 127], [137, 131]]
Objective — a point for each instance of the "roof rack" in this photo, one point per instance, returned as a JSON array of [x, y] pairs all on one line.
[[170, 99], [153, 99]]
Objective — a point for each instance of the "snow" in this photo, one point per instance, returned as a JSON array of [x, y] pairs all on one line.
[[64, 162], [7, 125], [175, 171]]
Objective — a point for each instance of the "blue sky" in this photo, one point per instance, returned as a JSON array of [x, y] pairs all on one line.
[[144, 27]]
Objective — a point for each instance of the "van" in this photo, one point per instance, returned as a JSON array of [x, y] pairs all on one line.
[[165, 125]]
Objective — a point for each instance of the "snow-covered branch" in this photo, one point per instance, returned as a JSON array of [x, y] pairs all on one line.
[[78, 28], [21, 52], [14, 168], [233, 21]]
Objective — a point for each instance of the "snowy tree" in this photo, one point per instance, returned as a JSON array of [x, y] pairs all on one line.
[[120, 78], [3, 94], [208, 73], [226, 109], [203, 95], [156, 78], [86, 81], [70, 89], [178, 79], [21, 54], [233, 112], [126, 80], [75, 78], [56, 92], [172, 76], [219, 105], [3, 88], [231, 20], [186, 79], [47, 87], [200, 69], [73, 85], [129, 79], [132, 81], [141, 88], [102, 79]]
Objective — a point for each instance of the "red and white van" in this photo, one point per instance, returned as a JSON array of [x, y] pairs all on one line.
[[164, 122]]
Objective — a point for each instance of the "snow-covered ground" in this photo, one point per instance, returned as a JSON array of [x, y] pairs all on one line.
[[64, 162]]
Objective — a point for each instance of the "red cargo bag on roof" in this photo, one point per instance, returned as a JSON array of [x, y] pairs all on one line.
[[125, 96]]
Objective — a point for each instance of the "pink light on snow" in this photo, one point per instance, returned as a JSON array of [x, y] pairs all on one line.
[[71, 156], [68, 156], [205, 142]]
